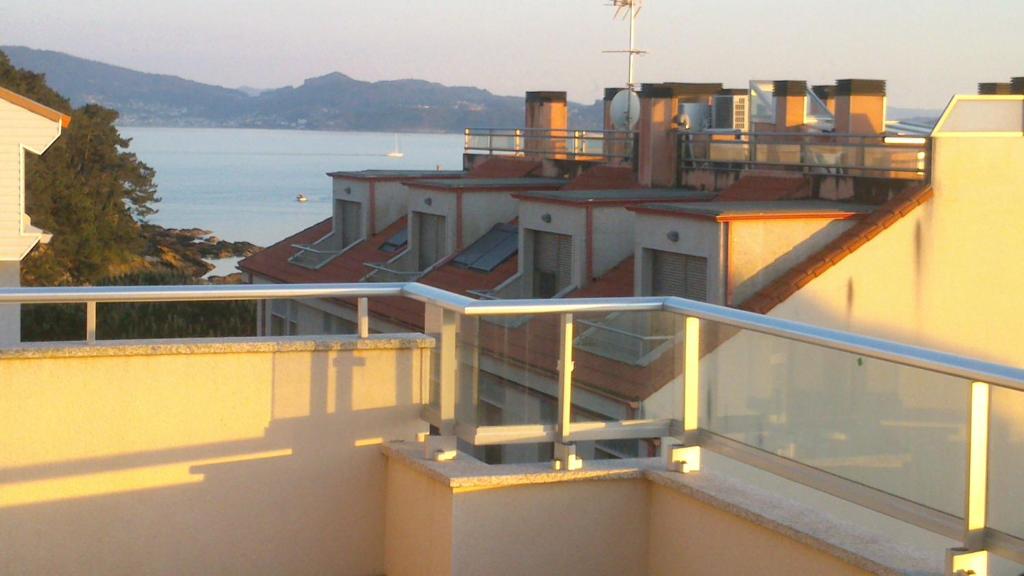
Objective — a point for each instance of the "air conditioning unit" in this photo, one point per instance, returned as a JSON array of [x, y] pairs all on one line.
[[731, 112]]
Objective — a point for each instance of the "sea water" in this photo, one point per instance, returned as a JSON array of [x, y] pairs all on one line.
[[242, 184]]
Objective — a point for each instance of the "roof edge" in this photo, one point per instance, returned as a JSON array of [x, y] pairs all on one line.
[[35, 107], [865, 230]]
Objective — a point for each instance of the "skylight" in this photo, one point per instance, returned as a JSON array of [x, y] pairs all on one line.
[[493, 248], [396, 242]]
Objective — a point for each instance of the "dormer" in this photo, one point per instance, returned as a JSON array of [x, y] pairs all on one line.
[[448, 215], [569, 238], [25, 125], [724, 252]]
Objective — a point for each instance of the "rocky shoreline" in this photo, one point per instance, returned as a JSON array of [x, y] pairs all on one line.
[[187, 251]]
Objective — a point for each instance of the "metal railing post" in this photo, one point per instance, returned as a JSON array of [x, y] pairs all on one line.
[[517, 142], [444, 446], [363, 317], [465, 145], [686, 458], [90, 322], [565, 451], [972, 558]]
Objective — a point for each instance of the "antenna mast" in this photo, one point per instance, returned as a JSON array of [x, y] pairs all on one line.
[[629, 9]]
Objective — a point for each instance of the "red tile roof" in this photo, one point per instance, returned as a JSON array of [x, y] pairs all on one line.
[[499, 167], [605, 178], [776, 292], [759, 186], [454, 278], [617, 282]]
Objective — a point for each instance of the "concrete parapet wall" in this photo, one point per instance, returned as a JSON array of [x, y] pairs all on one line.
[[247, 456]]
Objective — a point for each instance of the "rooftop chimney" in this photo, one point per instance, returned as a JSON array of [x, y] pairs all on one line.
[[790, 105], [827, 94], [659, 116], [860, 106], [546, 111], [1017, 85], [609, 94], [994, 88]]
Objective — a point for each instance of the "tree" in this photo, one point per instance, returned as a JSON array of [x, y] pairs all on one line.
[[87, 189]]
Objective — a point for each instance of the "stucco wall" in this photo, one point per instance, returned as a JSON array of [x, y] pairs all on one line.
[[688, 537], [482, 210], [418, 523], [247, 459], [597, 527], [762, 250], [351, 190], [392, 202], [696, 238], [565, 220], [946, 274], [10, 315]]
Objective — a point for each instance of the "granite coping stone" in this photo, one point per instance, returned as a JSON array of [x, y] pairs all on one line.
[[166, 347], [866, 549]]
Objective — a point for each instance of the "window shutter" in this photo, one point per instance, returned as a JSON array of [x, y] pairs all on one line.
[[552, 254], [431, 239], [351, 222], [679, 275]]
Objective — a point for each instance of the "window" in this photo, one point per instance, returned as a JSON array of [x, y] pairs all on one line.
[[682, 275], [348, 215], [498, 245], [431, 237], [552, 263], [396, 242]]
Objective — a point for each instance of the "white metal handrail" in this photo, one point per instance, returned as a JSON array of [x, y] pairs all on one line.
[[890, 351]]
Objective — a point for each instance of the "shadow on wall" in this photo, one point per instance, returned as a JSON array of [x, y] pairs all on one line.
[[250, 463]]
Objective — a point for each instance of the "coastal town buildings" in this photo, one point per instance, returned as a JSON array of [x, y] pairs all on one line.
[[690, 348]]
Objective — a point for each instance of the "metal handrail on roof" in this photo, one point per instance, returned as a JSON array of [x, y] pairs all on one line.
[[887, 350]]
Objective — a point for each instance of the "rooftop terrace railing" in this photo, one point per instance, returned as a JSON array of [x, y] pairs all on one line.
[[927, 437], [895, 157], [579, 145]]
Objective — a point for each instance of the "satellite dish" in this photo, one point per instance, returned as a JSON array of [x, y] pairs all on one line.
[[625, 110]]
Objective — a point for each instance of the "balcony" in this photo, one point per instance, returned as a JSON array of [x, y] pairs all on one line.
[[600, 146], [893, 157], [784, 448]]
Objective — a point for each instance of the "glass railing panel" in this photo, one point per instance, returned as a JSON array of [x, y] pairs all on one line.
[[896, 158], [779, 153], [897, 429], [1006, 461], [627, 367], [478, 141], [508, 374], [729, 151], [827, 155]]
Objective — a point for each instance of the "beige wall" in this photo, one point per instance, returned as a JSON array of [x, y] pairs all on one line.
[[762, 250], [418, 523], [580, 527], [697, 237], [688, 537], [10, 315], [196, 462], [593, 528]]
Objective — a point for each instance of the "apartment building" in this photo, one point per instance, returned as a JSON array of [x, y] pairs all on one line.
[[25, 126]]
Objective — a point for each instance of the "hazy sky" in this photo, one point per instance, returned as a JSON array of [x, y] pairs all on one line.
[[927, 49]]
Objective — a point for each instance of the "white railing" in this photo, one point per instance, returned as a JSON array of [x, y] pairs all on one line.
[[582, 145], [713, 341], [898, 157]]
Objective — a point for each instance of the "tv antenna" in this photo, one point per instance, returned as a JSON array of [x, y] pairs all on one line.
[[629, 10]]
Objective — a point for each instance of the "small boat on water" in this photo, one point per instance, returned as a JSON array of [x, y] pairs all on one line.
[[397, 152], [301, 199]]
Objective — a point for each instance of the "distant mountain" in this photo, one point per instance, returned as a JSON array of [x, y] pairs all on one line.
[[330, 102]]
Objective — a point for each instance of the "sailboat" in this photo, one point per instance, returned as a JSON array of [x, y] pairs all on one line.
[[397, 152]]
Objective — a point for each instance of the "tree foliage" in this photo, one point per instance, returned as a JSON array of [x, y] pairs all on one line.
[[130, 321], [87, 189]]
